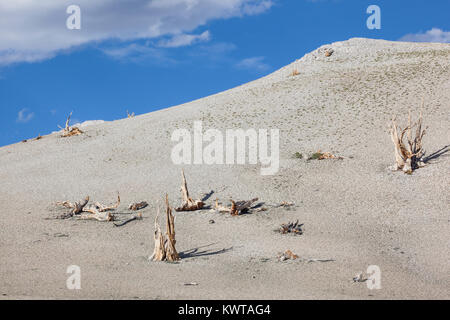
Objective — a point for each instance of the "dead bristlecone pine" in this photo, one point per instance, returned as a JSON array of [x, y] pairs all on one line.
[[188, 203], [165, 243], [409, 154]]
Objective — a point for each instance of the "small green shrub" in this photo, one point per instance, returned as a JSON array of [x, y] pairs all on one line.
[[316, 156], [298, 155]]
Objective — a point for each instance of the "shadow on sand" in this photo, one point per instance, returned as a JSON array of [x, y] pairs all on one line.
[[437, 154], [196, 252]]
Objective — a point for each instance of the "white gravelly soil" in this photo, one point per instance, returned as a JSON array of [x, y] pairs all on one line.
[[355, 211]]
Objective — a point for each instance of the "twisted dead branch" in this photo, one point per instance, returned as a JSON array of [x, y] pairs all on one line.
[[165, 244], [409, 154], [97, 211], [77, 207], [188, 203]]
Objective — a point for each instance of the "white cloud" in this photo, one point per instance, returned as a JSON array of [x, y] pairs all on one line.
[[24, 116], [254, 63], [433, 35], [36, 30], [181, 40]]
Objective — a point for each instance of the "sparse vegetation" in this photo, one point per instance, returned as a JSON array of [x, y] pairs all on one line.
[[323, 155], [298, 155]]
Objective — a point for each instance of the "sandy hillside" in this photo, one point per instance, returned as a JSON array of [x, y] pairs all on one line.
[[355, 211]]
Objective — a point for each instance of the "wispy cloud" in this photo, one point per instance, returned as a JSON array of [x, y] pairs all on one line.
[[35, 30], [254, 63], [137, 53], [433, 35], [182, 40], [24, 116]]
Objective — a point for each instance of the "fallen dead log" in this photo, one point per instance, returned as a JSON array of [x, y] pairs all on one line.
[[236, 208], [408, 156], [165, 243], [188, 203]]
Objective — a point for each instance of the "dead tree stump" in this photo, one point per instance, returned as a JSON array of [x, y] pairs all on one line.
[[69, 131], [408, 156], [188, 203], [165, 244]]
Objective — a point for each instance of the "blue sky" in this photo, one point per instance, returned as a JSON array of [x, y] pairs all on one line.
[[144, 55]]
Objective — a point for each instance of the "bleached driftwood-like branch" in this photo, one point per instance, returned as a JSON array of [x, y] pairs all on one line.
[[165, 244], [97, 211], [408, 155], [188, 203]]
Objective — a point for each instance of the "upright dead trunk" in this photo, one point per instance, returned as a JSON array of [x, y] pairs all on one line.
[[165, 244]]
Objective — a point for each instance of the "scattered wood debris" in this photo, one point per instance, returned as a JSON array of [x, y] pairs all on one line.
[[360, 277], [319, 260], [288, 254], [188, 203], [39, 137], [165, 244], [138, 206], [69, 131], [408, 156], [328, 52], [291, 227], [237, 208], [191, 284], [97, 211], [285, 204], [122, 223], [77, 207], [295, 73], [323, 155]]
